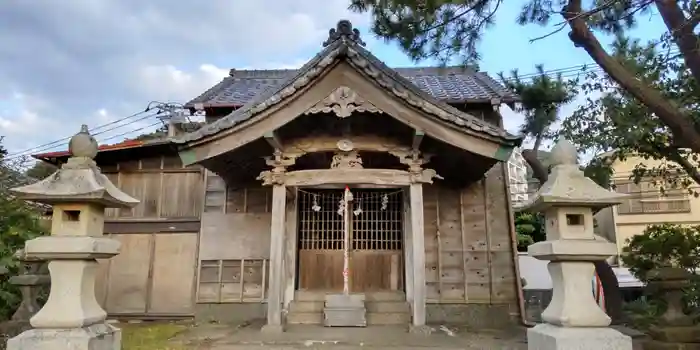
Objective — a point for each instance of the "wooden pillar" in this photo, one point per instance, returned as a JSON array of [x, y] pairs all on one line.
[[274, 297], [418, 255], [408, 246]]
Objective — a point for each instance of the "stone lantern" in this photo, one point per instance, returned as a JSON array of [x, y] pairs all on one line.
[[79, 193], [573, 319]]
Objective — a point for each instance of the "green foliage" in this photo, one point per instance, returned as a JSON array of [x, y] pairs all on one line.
[[19, 221], [449, 29], [664, 245], [41, 170], [617, 123], [541, 99], [642, 313], [529, 228], [440, 29]]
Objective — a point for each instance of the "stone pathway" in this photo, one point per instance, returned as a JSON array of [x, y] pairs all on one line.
[[244, 337]]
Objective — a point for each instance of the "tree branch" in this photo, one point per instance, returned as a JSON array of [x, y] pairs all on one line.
[[679, 123], [539, 172], [682, 33], [684, 163]]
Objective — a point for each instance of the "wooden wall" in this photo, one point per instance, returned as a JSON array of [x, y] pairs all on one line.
[[469, 256], [234, 243], [155, 273], [167, 190]]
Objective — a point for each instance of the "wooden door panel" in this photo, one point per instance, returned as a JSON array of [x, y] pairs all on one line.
[[375, 271], [321, 270], [174, 264]]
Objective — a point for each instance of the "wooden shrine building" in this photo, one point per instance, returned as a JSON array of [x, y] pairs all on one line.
[[245, 222]]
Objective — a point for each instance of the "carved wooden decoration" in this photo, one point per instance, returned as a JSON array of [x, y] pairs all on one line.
[[346, 160], [343, 102]]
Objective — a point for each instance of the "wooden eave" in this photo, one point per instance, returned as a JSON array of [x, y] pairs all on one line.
[[345, 63]]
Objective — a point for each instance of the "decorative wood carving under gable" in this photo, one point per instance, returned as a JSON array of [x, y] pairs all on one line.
[[346, 160], [343, 101]]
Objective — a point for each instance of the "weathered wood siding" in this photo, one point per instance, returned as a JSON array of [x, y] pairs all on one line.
[[152, 276], [469, 256], [155, 273], [234, 243], [167, 191]]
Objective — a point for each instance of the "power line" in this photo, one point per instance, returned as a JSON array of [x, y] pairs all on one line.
[[57, 144], [68, 138], [148, 108], [564, 72]]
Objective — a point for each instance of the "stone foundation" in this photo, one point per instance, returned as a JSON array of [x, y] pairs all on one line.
[[484, 316], [99, 336], [230, 313], [550, 337]]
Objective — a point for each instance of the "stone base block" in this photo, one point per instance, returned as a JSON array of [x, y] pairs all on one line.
[[272, 329], [99, 336], [420, 330], [345, 310], [680, 334], [550, 337], [658, 345]]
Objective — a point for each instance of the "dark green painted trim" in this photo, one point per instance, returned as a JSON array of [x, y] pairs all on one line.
[[188, 157], [503, 153]]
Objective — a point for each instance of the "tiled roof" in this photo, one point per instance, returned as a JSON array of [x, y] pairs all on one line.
[[346, 47], [450, 84]]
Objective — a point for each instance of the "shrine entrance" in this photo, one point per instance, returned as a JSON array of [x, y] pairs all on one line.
[[376, 236]]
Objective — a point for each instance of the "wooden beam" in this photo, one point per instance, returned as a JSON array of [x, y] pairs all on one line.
[[417, 139], [274, 141], [317, 177]]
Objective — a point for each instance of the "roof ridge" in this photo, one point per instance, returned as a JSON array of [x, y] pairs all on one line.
[[427, 70]]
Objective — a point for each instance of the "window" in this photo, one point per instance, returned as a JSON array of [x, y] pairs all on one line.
[[232, 281], [646, 198]]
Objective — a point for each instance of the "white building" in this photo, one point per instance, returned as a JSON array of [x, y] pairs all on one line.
[[517, 177]]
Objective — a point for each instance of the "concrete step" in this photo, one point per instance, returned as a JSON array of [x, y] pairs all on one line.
[[387, 307], [372, 306], [305, 318], [304, 295], [385, 318], [373, 318], [305, 306]]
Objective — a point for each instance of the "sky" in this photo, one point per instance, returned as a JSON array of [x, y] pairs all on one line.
[[67, 63]]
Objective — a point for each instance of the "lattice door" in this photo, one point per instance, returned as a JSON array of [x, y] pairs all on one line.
[[377, 241], [376, 235]]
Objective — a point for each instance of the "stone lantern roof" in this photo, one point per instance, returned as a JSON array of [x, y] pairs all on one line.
[[568, 186], [79, 180]]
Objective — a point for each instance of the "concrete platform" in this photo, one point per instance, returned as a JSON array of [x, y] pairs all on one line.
[[219, 337]]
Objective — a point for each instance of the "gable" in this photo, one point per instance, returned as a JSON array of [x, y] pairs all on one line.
[[345, 63]]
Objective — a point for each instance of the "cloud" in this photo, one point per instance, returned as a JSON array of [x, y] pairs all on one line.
[[86, 61]]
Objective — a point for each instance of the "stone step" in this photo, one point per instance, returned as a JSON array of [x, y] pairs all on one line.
[[388, 307], [373, 306], [304, 295], [388, 318], [305, 318], [373, 318], [297, 306]]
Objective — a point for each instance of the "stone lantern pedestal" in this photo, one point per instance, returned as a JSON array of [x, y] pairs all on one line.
[[573, 319], [79, 192]]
